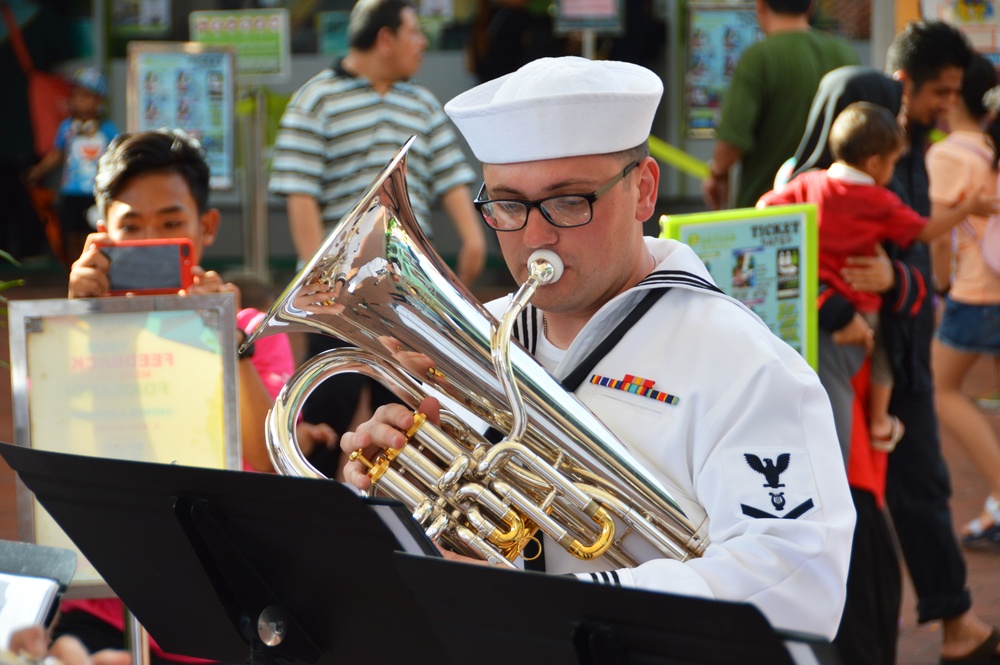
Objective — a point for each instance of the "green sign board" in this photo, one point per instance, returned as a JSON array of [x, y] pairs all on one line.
[[258, 36], [766, 259]]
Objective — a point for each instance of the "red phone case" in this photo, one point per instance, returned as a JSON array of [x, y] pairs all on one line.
[[148, 267]]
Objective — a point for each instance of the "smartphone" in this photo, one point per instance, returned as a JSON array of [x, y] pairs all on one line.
[[149, 267]]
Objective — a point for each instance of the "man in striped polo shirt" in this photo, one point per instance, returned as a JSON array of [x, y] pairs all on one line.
[[338, 132], [346, 122]]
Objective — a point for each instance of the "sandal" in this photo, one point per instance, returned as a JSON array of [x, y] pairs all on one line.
[[978, 532], [887, 445], [984, 653]]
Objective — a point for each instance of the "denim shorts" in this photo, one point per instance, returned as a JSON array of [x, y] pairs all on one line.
[[971, 328]]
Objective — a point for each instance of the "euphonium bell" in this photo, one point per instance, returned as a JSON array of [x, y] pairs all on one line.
[[377, 284]]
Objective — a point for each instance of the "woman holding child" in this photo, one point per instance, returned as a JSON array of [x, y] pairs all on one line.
[[869, 627]]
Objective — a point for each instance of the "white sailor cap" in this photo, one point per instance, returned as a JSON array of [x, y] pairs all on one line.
[[558, 107]]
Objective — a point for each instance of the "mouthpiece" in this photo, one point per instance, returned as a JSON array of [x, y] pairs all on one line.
[[547, 264]]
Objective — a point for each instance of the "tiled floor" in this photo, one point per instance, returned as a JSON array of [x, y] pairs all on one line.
[[918, 645]]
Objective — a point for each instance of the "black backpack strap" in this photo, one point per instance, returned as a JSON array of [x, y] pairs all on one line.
[[582, 371]]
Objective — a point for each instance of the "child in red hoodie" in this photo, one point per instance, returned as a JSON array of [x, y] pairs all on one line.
[[856, 213]]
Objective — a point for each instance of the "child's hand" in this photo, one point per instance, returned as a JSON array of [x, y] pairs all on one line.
[[857, 332], [88, 277], [211, 282], [311, 435]]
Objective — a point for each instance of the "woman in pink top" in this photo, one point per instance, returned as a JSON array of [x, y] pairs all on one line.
[[970, 327]]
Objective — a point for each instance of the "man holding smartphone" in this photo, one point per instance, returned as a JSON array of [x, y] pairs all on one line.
[[154, 186], [149, 186]]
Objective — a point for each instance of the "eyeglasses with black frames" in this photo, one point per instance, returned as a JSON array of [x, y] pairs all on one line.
[[562, 210]]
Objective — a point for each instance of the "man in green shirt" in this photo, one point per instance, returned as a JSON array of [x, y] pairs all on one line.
[[764, 112]]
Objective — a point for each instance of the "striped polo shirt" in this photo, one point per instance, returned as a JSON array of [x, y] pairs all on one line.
[[337, 133]]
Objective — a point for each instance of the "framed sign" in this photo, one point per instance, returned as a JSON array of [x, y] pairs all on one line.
[[146, 378], [601, 16], [766, 259], [188, 86], [142, 19], [717, 36], [259, 37]]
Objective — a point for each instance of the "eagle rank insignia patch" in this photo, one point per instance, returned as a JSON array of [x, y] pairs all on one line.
[[774, 483]]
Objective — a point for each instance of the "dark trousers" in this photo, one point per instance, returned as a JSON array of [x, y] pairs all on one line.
[[870, 625], [917, 492]]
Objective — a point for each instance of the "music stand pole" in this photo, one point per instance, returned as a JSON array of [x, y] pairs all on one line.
[[136, 639]]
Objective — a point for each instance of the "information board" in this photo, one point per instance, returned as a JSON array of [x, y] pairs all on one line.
[[147, 378], [766, 259], [259, 37], [140, 19], [187, 86], [601, 16], [717, 36]]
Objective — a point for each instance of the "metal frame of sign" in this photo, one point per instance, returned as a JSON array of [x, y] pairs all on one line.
[[717, 35], [115, 378], [765, 258], [188, 86]]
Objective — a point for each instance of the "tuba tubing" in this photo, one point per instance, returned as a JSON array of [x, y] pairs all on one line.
[[378, 284]]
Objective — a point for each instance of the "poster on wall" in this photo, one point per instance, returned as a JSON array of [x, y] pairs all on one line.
[[716, 38], [331, 32], [146, 378], [259, 38], [766, 259], [978, 19], [140, 18], [188, 86]]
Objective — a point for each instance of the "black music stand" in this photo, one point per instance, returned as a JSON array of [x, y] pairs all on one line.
[[198, 555], [563, 620], [54, 563]]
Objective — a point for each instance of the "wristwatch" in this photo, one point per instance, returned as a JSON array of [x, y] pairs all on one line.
[[242, 353]]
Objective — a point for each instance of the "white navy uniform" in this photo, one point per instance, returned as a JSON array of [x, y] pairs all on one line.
[[743, 439]]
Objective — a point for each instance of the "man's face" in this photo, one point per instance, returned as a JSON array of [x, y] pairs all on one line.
[[934, 98], [601, 258], [407, 45], [154, 206]]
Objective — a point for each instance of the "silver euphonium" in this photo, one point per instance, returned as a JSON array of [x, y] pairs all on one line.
[[377, 284]]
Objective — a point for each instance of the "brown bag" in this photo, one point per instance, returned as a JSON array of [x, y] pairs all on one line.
[[43, 200], [48, 94]]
